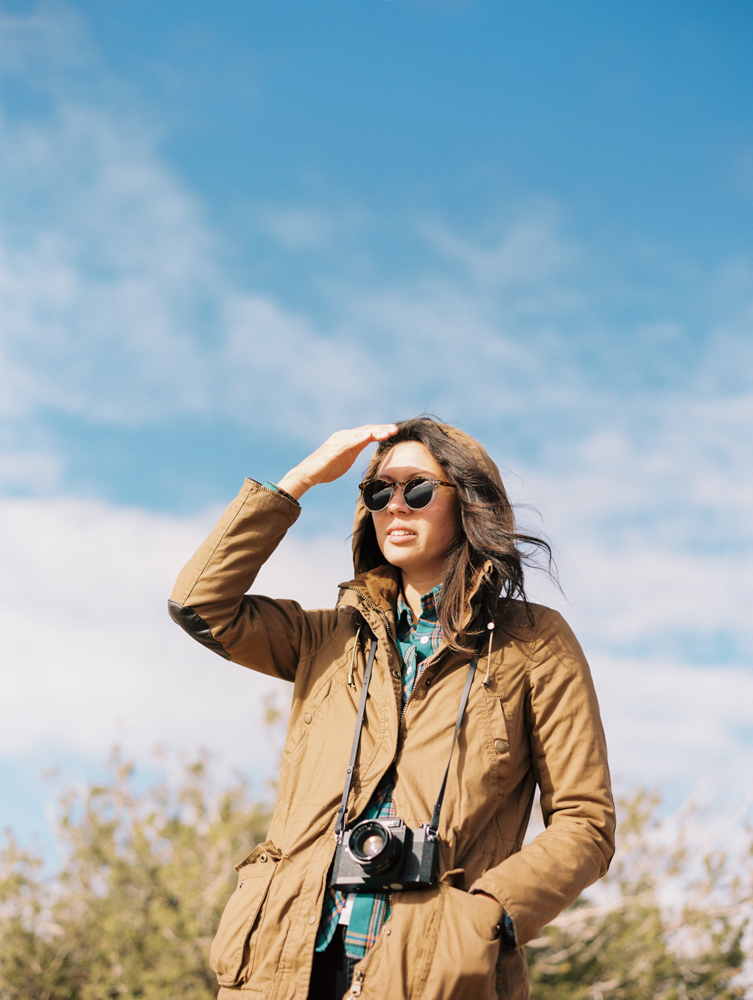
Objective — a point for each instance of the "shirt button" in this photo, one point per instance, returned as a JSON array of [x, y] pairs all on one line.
[[500, 746], [424, 639]]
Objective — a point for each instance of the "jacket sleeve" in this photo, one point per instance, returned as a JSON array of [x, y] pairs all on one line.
[[570, 760], [210, 602]]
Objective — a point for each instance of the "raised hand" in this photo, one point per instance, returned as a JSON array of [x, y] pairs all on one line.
[[333, 458]]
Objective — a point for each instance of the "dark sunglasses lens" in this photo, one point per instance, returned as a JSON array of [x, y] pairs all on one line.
[[418, 493], [376, 494]]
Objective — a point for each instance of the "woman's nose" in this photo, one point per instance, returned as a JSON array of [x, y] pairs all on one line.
[[397, 502]]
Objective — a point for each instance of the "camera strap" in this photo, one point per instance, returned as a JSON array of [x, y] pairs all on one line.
[[356, 738], [433, 829]]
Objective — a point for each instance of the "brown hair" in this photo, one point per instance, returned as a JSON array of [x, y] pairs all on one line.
[[484, 570]]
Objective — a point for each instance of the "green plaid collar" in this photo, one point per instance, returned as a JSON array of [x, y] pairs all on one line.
[[428, 608]]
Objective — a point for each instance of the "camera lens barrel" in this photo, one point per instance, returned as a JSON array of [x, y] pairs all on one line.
[[374, 847]]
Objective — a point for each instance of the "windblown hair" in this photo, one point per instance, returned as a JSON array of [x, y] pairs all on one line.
[[484, 570]]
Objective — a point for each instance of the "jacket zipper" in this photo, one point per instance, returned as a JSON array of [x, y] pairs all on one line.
[[436, 658], [388, 628], [357, 985]]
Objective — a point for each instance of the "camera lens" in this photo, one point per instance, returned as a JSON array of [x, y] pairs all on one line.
[[373, 846]]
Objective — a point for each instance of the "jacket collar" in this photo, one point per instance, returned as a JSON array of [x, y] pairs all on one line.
[[375, 592], [377, 588]]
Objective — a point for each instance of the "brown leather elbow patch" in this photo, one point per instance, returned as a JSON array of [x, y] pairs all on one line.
[[196, 627]]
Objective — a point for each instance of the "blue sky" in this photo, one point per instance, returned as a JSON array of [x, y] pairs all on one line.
[[227, 231]]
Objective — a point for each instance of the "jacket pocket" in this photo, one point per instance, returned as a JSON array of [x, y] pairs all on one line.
[[499, 741], [231, 956], [467, 948]]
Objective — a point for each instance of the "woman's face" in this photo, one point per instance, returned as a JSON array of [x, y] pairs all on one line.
[[417, 541]]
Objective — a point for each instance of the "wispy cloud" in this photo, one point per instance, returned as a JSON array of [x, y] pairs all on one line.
[[118, 305], [90, 656], [49, 39], [616, 380]]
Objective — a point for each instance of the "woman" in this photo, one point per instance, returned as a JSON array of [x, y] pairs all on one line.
[[433, 637]]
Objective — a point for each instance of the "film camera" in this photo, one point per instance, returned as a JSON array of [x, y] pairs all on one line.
[[378, 854], [384, 853]]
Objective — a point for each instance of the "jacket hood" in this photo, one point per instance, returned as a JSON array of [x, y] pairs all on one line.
[[468, 443]]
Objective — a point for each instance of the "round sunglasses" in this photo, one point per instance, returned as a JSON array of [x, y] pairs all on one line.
[[417, 493]]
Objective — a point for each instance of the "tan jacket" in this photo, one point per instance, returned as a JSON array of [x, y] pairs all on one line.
[[537, 722]]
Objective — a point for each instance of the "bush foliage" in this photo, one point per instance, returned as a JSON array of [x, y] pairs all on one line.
[[666, 923], [132, 910]]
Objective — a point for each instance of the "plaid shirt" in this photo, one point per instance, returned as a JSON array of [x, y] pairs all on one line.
[[417, 641]]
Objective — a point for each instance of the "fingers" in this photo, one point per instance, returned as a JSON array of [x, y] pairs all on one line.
[[343, 443], [380, 432], [367, 433], [340, 451], [333, 458]]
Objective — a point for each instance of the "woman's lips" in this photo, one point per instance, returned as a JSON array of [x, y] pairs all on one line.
[[399, 535]]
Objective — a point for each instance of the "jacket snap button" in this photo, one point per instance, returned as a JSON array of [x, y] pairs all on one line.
[[312, 918], [428, 681], [307, 718], [500, 746], [395, 673], [262, 858]]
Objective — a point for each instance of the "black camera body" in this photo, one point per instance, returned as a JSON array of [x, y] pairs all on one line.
[[379, 854]]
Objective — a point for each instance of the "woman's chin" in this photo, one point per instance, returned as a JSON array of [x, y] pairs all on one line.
[[398, 556]]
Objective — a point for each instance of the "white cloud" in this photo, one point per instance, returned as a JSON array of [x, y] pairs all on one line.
[[272, 357], [99, 292], [114, 301], [90, 657], [305, 227], [51, 38], [116, 307], [687, 729], [531, 252], [32, 471], [660, 530]]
